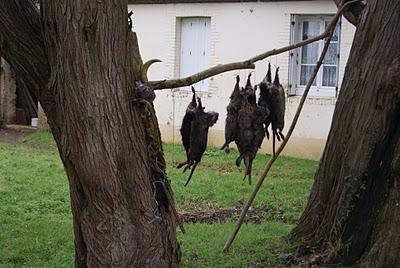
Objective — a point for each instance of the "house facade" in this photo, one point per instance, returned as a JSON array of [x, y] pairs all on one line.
[[17, 104], [189, 37], [7, 94]]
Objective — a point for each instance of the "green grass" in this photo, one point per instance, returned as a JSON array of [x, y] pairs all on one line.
[[35, 219], [257, 243], [218, 181], [42, 138]]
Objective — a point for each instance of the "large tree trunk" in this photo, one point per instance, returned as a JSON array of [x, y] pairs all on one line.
[[86, 76], [353, 213]]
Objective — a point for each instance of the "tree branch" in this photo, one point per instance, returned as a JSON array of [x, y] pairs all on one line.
[[187, 81], [330, 29], [247, 64], [21, 42], [353, 12]]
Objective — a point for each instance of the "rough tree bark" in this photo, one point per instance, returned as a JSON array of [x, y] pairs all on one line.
[[80, 59], [353, 12], [353, 213]]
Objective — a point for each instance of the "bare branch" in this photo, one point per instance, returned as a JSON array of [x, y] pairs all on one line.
[[145, 67], [248, 64], [21, 42], [290, 47], [353, 12], [187, 81], [330, 29]]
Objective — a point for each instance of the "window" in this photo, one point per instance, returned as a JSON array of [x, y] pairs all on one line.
[[304, 60], [195, 48]]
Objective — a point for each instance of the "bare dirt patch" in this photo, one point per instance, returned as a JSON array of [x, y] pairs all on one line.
[[14, 134], [219, 215], [17, 135]]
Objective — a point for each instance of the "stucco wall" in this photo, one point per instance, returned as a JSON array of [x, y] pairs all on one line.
[[238, 31]]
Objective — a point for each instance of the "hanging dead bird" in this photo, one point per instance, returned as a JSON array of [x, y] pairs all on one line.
[[250, 128], [277, 107], [231, 116], [194, 131]]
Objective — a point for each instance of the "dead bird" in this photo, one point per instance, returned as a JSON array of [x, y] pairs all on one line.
[[194, 132], [231, 116]]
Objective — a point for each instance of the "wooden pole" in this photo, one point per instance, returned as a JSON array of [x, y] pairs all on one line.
[[330, 29]]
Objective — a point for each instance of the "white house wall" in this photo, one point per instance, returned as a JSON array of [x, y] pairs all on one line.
[[238, 32]]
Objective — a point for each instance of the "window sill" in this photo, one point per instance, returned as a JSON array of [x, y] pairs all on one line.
[[314, 100], [182, 92]]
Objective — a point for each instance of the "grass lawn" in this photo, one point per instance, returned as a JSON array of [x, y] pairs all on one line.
[[35, 218]]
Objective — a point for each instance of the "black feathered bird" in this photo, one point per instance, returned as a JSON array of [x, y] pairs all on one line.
[[194, 131], [231, 116]]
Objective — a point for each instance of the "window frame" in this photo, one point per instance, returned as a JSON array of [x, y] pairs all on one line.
[[297, 29]]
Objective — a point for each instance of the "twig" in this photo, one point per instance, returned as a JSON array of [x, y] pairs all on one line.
[[247, 64], [330, 29]]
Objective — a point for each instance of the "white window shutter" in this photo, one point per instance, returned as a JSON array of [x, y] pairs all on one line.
[[195, 48], [293, 56]]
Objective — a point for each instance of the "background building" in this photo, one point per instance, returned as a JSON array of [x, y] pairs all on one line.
[[17, 104], [189, 37]]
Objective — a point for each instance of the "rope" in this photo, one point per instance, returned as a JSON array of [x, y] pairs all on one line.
[[158, 169]]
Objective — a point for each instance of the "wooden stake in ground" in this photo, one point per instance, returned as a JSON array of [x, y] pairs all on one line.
[[330, 29]]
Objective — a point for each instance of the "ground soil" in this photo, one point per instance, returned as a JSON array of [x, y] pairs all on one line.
[[15, 134], [218, 215]]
